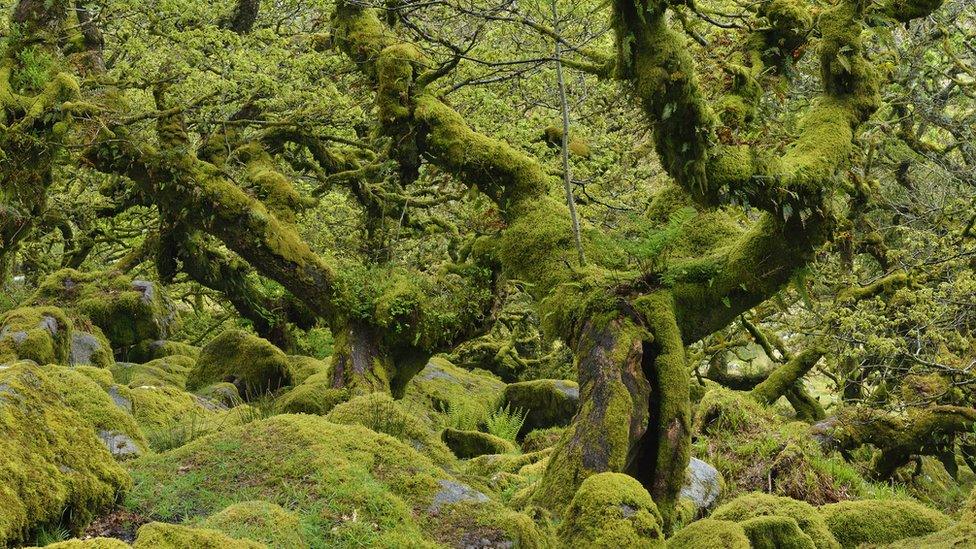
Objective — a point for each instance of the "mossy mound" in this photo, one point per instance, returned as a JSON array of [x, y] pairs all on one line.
[[158, 535], [758, 504], [547, 402], [441, 384], [251, 363], [170, 371], [776, 532], [41, 334], [148, 350], [881, 521], [162, 409], [469, 444], [611, 510], [751, 447], [224, 394], [259, 521], [710, 534], [315, 395], [490, 465], [960, 536], [304, 367], [379, 412], [54, 469], [113, 424], [346, 483], [127, 311]]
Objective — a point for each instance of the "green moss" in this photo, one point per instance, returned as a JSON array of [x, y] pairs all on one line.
[[170, 371], [379, 412], [93, 543], [881, 521], [776, 532], [161, 408], [158, 535], [491, 464], [250, 362], [323, 472], [758, 504], [303, 367], [710, 533], [315, 395], [63, 477], [224, 394], [259, 521], [469, 444], [148, 350], [89, 346], [41, 334], [611, 510], [127, 311]]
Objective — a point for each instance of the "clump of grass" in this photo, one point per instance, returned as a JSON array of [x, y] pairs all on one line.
[[505, 422], [175, 434], [46, 535]]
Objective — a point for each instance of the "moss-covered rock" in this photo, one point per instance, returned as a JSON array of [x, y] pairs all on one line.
[[303, 367], [347, 484], [776, 532], [170, 371], [41, 334], [54, 468], [223, 393], [709, 534], [960, 536], [260, 521], [469, 444], [251, 363], [158, 535], [315, 395], [490, 465], [159, 408], [547, 402], [127, 311], [881, 521], [379, 412], [758, 504], [611, 510], [116, 428], [90, 347], [148, 350], [441, 385], [702, 487]]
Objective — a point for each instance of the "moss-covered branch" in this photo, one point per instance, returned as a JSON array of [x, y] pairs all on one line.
[[783, 378]]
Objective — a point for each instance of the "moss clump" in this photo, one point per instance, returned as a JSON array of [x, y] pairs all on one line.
[[611, 510], [881, 521], [469, 444], [776, 532], [54, 469], [127, 311], [158, 535], [170, 371], [710, 533], [148, 350], [248, 361], [160, 408], [41, 334], [260, 521], [222, 393], [326, 474], [382, 414], [315, 395], [547, 402], [758, 504], [490, 465]]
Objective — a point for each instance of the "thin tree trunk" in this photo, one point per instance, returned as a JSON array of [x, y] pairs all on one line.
[[564, 109]]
